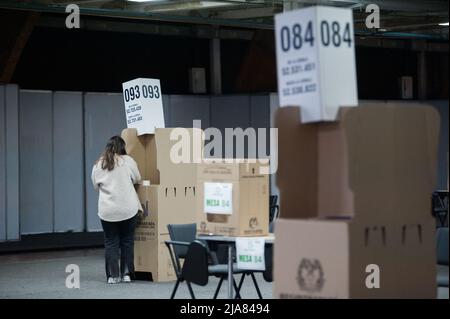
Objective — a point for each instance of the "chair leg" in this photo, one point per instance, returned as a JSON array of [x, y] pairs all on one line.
[[241, 282], [256, 286], [218, 288], [238, 294], [175, 289], [191, 292]]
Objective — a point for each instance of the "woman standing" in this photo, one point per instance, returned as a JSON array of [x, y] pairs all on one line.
[[114, 176]]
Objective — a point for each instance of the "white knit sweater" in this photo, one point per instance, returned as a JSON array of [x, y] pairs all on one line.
[[117, 199]]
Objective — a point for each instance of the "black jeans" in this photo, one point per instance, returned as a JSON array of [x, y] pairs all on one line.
[[119, 245]]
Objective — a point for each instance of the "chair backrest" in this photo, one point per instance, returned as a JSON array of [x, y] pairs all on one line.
[[274, 208], [442, 246], [182, 232], [273, 200], [268, 258], [195, 266]]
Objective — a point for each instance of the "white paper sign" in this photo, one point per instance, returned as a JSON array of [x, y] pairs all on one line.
[[218, 198], [143, 105], [316, 68], [250, 253]]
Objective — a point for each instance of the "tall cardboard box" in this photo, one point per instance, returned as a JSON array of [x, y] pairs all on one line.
[[168, 196], [355, 204], [161, 206], [233, 198]]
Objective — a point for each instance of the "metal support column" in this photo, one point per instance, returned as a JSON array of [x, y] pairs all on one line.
[[216, 66], [421, 75]]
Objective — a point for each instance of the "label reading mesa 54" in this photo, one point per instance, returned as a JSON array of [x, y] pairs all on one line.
[[218, 198]]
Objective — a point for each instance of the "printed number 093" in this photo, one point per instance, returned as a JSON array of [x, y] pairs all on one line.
[[147, 91]]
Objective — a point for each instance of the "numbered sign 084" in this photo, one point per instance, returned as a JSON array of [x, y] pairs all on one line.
[[316, 61], [143, 105], [331, 33]]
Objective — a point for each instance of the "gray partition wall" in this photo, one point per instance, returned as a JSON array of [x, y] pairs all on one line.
[[229, 112], [2, 164], [12, 162], [51, 162], [183, 109], [260, 118], [36, 162], [68, 161], [103, 117], [9, 162], [62, 134]]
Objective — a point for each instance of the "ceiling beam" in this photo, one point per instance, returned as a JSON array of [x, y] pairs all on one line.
[[247, 14], [124, 26]]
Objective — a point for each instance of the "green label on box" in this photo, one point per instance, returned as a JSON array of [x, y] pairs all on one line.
[[218, 198]]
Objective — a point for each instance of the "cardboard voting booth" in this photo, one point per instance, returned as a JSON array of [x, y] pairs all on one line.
[[167, 195], [355, 204]]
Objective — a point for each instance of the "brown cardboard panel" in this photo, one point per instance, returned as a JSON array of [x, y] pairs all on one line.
[[154, 154], [143, 150], [403, 254], [146, 234], [334, 196], [311, 259], [181, 141], [377, 168], [329, 258], [218, 169], [392, 153], [298, 158], [176, 206], [165, 271], [211, 168], [162, 205], [329, 170]]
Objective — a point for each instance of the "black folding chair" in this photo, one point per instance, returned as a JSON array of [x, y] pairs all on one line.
[[440, 207], [182, 236], [274, 208], [274, 211]]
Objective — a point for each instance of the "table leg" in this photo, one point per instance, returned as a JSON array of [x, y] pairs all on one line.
[[230, 271]]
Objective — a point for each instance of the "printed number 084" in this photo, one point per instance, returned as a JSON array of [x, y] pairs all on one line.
[[295, 37]]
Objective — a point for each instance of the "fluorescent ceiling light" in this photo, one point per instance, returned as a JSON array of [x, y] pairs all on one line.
[[445, 24]]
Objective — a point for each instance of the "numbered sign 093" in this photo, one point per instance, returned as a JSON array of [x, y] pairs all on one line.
[[143, 105], [316, 61]]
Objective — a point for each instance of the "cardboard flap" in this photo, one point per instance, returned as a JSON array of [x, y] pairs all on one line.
[[392, 152], [297, 164], [231, 168], [179, 150], [143, 150], [312, 172]]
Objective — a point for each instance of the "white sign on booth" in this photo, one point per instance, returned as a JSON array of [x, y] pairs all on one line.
[[250, 253], [316, 67], [218, 198], [143, 105]]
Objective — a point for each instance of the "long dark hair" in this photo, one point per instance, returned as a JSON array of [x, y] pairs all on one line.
[[115, 146]]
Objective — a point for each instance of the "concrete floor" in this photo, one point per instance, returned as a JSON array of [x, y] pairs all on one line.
[[42, 275]]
